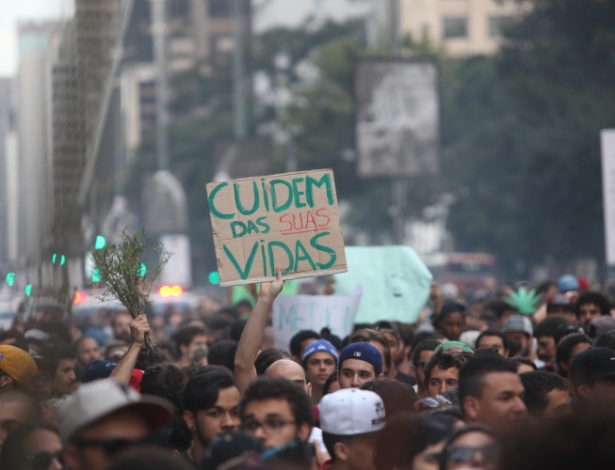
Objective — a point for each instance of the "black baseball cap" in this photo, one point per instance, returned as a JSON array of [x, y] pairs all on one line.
[[591, 364]]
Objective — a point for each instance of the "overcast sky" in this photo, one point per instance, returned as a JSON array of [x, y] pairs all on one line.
[[12, 11], [267, 14]]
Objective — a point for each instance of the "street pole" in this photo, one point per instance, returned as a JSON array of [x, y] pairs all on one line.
[[239, 91], [398, 185], [158, 18]]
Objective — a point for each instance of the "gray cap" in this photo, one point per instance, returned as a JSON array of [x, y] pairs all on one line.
[[602, 324], [96, 400], [518, 323]]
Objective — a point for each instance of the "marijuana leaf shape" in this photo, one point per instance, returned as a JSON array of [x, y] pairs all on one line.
[[525, 301]]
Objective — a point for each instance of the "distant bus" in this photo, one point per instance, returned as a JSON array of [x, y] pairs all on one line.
[[467, 271]]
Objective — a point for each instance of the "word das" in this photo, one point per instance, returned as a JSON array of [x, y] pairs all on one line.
[[250, 227], [296, 256], [275, 195]]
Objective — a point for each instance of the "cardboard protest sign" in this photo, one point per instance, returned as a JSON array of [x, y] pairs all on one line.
[[395, 282], [293, 313], [289, 220]]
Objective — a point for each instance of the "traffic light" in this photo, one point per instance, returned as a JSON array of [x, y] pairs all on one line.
[[142, 270], [214, 278], [10, 279], [100, 242], [28, 290], [96, 277], [58, 258]]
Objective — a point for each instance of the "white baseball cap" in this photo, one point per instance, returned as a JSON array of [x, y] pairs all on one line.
[[96, 400], [351, 411]]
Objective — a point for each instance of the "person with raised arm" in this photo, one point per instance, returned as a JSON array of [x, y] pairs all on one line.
[[253, 334]]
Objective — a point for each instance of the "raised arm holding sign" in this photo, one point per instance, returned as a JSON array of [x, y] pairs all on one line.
[[254, 332]]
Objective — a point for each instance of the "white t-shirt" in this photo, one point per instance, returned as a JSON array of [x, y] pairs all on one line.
[[316, 436]]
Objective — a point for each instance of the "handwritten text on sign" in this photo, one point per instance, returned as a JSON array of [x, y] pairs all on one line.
[[293, 313], [289, 220]]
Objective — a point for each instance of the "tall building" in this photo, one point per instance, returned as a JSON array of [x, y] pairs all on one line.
[[464, 27], [7, 128], [196, 30], [68, 147], [38, 45]]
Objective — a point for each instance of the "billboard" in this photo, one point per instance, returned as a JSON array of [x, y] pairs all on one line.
[[289, 220], [397, 118]]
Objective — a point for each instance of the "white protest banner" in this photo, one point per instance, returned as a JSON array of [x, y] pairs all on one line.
[[289, 220], [293, 313]]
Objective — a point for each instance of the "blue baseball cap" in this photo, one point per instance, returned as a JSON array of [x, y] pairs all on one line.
[[320, 345], [567, 283], [96, 370], [363, 352]]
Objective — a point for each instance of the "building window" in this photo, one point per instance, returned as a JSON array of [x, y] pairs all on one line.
[[455, 27], [498, 24]]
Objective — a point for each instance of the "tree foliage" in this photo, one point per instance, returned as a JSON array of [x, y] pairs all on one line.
[[522, 149]]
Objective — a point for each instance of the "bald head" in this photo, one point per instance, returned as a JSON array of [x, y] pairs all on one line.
[[289, 370]]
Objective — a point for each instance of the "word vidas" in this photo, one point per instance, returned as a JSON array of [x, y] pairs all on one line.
[[273, 195], [296, 256]]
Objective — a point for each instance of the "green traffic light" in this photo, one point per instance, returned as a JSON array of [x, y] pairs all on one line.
[[28, 290], [54, 258], [10, 279], [214, 278], [96, 277], [100, 242], [142, 270]]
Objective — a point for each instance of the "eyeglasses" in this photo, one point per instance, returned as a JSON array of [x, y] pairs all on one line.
[[464, 454], [112, 446], [42, 460], [270, 426], [435, 402]]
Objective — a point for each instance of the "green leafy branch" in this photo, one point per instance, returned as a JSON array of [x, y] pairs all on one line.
[[120, 269]]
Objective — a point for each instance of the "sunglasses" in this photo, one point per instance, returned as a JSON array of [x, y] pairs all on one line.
[[464, 454], [435, 402], [113, 446], [42, 460]]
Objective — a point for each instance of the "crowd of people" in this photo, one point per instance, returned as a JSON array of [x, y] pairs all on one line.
[[523, 378]]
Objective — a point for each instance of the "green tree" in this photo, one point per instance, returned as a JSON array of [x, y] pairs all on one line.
[[521, 140]]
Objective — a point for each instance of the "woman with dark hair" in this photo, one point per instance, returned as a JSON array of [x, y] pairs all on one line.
[[472, 446], [32, 446], [396, 396], [412, 441]]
